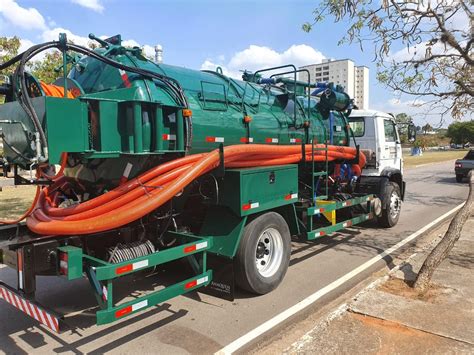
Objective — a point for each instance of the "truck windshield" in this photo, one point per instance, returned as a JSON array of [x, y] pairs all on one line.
[[357, 125]]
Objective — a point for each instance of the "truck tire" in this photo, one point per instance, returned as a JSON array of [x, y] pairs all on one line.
[[263, 255], [459, 177], [391, 203]]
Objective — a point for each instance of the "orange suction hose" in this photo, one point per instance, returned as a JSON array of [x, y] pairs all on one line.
[[144, 194]]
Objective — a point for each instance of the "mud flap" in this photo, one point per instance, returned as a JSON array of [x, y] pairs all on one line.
[[222, 284]]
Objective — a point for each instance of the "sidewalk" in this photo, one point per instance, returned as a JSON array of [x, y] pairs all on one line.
[[390, 318]]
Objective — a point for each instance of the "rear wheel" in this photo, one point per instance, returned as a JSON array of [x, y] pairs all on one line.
[[264, 254], [459, 177], [392, 204]]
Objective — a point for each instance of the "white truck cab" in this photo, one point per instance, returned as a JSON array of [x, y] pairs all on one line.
[[377, 136]]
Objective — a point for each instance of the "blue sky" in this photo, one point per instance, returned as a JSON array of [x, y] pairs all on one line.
[[199, 34]]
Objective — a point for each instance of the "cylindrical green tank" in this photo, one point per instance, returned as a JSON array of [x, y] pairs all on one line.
[[124, 123]]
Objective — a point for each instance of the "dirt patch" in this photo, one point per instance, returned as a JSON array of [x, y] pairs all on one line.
[[388, 326], [403, 288], [386, 337]]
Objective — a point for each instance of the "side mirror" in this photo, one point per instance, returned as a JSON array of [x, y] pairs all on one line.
[[411, 132]]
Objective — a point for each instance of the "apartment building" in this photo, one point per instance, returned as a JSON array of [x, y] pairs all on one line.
[[354, 79]]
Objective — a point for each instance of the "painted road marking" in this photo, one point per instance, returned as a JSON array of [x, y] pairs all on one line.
[[279, 318]]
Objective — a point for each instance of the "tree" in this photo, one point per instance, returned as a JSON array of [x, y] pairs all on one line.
[[427, 128], [402, 120], [461, 132], [441, 251], [422, 48], [8, 49], [45, 70]]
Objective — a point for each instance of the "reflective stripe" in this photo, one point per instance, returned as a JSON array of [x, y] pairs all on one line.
[[215, 139], [30, 309], [198, 246], [295, 140], [197, 282], [140, 264], [249, 206], [139, 305], [124, 76], [20, 268], [169, 137]]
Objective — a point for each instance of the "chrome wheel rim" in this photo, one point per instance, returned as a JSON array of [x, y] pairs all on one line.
[[269, 252], [395, 205]]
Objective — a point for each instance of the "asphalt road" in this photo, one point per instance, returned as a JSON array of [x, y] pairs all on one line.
[[198, 323]]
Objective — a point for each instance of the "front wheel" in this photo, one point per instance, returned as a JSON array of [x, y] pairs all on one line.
[[392, 205], [264, 254]]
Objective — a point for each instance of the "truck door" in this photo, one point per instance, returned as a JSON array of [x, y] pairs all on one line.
[[390, 147]]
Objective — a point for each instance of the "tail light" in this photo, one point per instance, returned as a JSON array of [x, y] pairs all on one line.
[[457, 165]]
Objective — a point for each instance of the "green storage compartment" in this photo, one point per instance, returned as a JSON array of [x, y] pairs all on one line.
[[251, 190]]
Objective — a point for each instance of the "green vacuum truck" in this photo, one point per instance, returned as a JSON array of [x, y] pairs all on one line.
[[146, 166]]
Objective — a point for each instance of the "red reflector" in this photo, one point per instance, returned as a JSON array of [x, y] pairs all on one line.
[[191, 284], [322, 233], [190, 249], [123, 312], [123, 269], [288, 197], [321, 210], [246, 207], [63, 256], [210, 139]]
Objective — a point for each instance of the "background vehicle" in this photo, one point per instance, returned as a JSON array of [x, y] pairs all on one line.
[[463, 166], [162, 164]]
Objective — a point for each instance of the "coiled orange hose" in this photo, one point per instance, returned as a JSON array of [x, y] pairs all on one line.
[[144, 194]]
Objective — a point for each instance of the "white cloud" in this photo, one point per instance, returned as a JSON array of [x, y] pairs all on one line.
[[94, 5], [25, 18], [420, 51], [420, 110], [148, 50], [258, 57]]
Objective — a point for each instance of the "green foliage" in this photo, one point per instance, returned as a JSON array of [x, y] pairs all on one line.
[[461, 132], [402, 120], [8, 49], [427, 128], [422, 48], [50, 68]]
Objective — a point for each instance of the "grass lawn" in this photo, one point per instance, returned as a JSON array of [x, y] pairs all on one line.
[[433, 157], [14, 201]]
